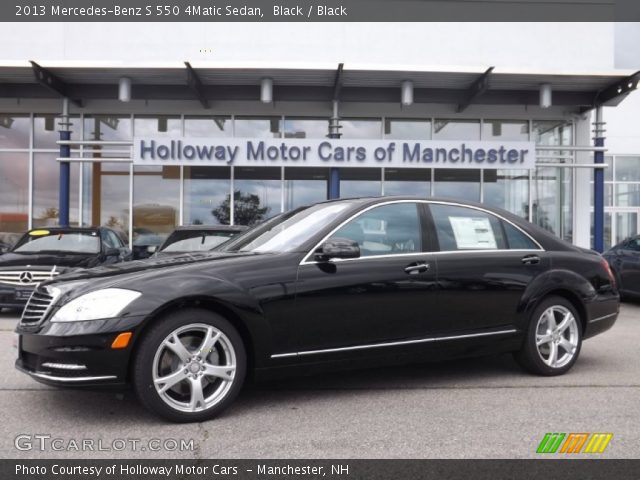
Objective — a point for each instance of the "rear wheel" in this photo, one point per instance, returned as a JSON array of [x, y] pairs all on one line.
[[553, 339], [190, 366]]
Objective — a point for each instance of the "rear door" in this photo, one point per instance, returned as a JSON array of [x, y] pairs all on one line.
[[484, 266]]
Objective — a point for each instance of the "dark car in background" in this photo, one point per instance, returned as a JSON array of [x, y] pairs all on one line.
[[197, 238], [7, 241], [145, 242], [339, 284], [624, 260], [44, 253]]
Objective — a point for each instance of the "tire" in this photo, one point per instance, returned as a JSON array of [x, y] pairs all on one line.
[[194, 350], [539, 358]]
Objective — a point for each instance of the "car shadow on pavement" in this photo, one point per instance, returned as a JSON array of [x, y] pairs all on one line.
[[108, 407]]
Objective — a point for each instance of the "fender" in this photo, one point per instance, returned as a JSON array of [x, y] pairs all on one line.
[[547, 282]]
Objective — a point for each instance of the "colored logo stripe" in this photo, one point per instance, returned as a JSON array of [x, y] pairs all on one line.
[[598, 442], [574, 442], [550, 443]]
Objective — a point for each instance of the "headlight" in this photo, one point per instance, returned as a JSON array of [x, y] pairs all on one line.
[[105, 303]]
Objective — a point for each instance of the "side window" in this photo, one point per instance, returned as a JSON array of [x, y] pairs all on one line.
[[634, 244], [518, 240], [385, 230], [107, 239], [114, 239], [462, 228]]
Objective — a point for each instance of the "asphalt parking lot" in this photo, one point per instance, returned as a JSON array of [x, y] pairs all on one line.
[[477, 408]]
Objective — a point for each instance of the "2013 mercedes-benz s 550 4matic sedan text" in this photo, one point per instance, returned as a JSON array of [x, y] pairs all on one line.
[[337, 284]]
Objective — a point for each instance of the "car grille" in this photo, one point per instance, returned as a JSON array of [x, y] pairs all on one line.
[[27, 278], [38, 306]]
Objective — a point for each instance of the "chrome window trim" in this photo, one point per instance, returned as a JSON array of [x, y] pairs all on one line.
[[392, 344], [306, 261]]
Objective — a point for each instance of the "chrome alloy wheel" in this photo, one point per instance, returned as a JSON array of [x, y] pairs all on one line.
[[557, 336], [194, 367]]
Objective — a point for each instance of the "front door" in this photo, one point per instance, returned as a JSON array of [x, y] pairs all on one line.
[[385, 295]]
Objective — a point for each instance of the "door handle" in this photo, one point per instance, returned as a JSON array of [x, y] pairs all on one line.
[[531, 260], [417, 267]]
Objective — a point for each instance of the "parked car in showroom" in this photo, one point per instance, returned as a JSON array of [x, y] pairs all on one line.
[[624, 260], [197, 238], [345, 283], [42, 254]]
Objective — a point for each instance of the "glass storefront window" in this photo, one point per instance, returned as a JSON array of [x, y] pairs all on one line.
[[14, 130], [156, 203], [552, 132], [157, 126], [206, 195], [46, 188], [627, 195], [626, 225], [552, 194], [511, 130], [304, 186], [407, 181], [14, 196], [257, 127], [106, 195], [457, 183], [305, 128], [627, 169], [360, 182], [107, 128], [257, 194], [361, 128], [507, 189], [447, 129], [213, 127], [407, 129], [46, 130]]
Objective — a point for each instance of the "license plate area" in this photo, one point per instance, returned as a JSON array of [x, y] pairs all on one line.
[[23, 294]]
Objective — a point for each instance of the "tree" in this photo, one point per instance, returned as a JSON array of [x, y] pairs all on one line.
[[50, 212], [247, 210]]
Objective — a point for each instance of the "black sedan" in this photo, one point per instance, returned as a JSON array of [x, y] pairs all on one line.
[[624, 259], [197, 238], [340, 284], [43, 254]]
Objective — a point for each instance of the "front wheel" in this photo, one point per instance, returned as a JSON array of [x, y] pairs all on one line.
[[553, 339], [190, 366]]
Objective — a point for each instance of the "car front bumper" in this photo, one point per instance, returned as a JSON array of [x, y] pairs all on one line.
[[60, 357]]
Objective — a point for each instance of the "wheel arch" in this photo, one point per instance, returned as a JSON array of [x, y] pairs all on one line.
[[211, 304]]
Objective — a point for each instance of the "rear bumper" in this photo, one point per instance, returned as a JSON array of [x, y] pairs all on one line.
[[602, 315]]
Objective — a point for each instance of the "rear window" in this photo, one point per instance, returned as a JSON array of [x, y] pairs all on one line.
[[42, 241]]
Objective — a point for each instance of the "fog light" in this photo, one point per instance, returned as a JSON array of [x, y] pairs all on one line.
[[121, 341]]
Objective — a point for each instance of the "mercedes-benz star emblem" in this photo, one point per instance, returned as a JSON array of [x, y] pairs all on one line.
[[26, 277]]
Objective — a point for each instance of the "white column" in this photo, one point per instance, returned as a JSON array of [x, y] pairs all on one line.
[[583, 188]]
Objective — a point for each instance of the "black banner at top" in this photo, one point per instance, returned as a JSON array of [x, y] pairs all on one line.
[[319, 10]]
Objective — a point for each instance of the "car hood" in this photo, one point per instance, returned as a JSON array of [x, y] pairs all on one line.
[[140, 270], [45, 261]]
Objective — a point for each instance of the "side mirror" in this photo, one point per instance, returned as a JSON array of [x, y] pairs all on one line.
[[338, 248], [4, 250], [152, 249], [112, 252]]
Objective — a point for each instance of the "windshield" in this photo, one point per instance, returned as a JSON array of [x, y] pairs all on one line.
[[74, 242], [287, 232], [195, 241]]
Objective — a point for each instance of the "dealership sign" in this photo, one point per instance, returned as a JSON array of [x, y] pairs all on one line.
[[333, 153]]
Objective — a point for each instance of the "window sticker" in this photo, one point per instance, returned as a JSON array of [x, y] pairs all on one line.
[[39, 233], [473, 233]]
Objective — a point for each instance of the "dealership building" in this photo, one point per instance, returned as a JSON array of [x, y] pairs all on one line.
[[144, 126]]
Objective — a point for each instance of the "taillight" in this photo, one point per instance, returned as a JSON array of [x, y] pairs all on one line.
[[607, 267]]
